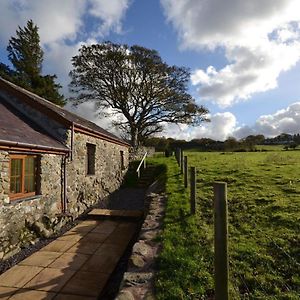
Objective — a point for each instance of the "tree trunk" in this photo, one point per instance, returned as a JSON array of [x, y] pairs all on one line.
[[134, 138]]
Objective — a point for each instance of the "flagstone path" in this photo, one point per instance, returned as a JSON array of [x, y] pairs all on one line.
[[77, 265]]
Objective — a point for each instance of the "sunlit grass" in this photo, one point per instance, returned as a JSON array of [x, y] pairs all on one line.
[[264, 227]]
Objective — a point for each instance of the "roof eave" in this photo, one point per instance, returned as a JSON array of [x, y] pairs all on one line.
[[9, 145], [85, 130]]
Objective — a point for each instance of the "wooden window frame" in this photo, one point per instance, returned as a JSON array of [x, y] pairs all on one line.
[[90, 149], [16, 196]]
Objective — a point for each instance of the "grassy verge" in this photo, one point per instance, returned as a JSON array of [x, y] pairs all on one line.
[[183, 273], [131, 179], [264, 216]]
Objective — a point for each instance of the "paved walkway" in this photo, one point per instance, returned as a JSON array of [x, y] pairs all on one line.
[[76, 266], [125, 198]]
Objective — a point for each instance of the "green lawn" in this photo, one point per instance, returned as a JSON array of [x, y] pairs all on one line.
[[264, 227]]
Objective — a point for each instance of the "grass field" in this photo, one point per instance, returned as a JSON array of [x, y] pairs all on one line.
[[264, 227]]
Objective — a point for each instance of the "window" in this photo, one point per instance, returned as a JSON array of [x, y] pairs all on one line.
[[91, 151], [22, 176], [122, 160]]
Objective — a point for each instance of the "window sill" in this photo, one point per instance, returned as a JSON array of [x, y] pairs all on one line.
[[25, 199]]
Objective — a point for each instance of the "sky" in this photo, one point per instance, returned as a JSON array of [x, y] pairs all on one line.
[[244, 56]]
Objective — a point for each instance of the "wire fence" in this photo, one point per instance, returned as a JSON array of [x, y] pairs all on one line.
[[245, 288]]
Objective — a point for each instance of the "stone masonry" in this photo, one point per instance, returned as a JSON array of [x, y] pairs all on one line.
[[15, 215], [82, 190]]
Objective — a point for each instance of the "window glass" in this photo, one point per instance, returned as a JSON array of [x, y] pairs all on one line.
[[122, 160], [16, 176], [22, 176], [29, 175], [91, 151]]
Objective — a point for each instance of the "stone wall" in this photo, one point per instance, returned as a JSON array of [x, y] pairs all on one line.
[[84, 190], [17, 215], [4, 177], [19, 218], [52, 182]]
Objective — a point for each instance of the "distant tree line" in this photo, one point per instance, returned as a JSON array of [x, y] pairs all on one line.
[[248, 143]]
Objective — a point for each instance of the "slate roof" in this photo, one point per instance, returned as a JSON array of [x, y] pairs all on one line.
[[57, 112], [18, 131]]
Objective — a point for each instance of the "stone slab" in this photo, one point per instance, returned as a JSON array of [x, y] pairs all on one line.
[[86, 284], [119, 238], [18, 276], [76, 266], [40, 259], [58, 246], [128, 225], [50, 280], [127, 231], [95, 237], [110, 248], [24, 294], [71, 261], [107, 227], [104, 263], [85, 226], [84, 247], [73, 297], [6, 292], [116, 213], [71, 236]]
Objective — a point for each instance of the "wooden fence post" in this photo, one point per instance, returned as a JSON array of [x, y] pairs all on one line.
[[221, 241], [185, 171], [181, 161], [178, 156], [193, 190]]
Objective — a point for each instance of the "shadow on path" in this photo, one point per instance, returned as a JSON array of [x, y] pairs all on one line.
[[77, 265]]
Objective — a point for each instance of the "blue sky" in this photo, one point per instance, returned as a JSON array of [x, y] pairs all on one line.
[[244, 57]]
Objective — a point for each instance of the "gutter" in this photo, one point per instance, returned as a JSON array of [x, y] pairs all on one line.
[[9, 144], [64, 206], [72, 141]]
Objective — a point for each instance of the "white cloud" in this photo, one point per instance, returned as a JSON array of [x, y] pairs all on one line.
[[56, 19], [62, 26], [58, 60], [222, 126], [260, 38], [283, 121], [110, 12]]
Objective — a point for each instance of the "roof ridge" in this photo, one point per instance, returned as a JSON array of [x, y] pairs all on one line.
[[28, 92], [64, 114]]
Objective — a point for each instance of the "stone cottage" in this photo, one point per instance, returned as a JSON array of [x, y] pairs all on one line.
[[51, 161]]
